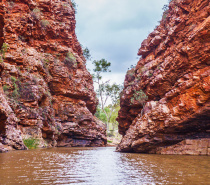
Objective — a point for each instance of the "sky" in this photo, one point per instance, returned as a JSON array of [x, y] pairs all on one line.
[[114, 30]]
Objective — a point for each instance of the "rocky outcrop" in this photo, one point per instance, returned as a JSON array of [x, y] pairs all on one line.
[[46, 92], [165, 105]]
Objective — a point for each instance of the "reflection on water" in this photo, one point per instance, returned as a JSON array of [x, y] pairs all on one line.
[[95, 166]]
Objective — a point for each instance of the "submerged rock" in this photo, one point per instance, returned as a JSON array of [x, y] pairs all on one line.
[[165, 105], [46, 92]]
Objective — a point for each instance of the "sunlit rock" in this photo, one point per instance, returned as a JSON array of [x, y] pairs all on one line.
[[174, 73], [46, 91]]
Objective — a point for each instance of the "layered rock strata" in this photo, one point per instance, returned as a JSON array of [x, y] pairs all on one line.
[[46, 92], [165, 105]]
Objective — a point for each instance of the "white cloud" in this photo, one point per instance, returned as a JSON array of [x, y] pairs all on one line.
[[114, 29]]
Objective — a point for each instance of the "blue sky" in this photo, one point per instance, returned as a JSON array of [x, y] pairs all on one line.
[[114, 30]]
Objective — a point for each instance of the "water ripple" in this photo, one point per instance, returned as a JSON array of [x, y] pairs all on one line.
[[95, 166]]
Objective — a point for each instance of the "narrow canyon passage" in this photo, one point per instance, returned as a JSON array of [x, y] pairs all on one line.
[[54, 125]]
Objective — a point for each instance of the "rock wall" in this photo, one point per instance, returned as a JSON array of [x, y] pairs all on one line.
[[46, 92], [165, 105]]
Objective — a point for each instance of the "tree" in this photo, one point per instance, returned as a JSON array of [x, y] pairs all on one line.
[[105, 90], [86, 53]]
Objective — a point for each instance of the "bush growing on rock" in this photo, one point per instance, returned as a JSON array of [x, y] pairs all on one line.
[[31, 143], [140, 97], [4, 49], [44, 23], [36, 13], [70, 60], [5, 88]]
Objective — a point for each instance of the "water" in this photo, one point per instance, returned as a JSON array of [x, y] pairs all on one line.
[[100, 166]]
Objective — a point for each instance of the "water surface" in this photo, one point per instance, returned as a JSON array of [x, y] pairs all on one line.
[[101, 166]]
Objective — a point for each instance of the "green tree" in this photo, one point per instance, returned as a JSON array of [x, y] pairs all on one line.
[[74, 5], [105, 90], [86, 53]]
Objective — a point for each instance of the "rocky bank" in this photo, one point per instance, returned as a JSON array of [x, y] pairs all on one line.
[[165, 105], [46, 92]]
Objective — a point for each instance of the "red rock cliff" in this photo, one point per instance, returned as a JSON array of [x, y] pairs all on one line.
[[165, 106], [45, 91]]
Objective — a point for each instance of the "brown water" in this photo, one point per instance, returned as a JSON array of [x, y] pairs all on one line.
[[101, 166]]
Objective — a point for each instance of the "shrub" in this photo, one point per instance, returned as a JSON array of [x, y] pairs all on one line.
[[165, 10], [70, 60], [143, 69], [131, 67], [70, 56], [86, 53], [74, 6], [13, 79], [31, 143], [65, 5], [4, 49], [44, 23], [1, 59], [150, 74], [140, 97], [15, 93], [11, 4], [36, 13], [5, 88]]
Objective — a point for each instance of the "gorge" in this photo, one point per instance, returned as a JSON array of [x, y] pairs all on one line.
[[46, 92], [165, 105]]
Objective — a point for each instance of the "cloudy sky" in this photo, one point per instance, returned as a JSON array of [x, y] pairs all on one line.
[[114, 30]]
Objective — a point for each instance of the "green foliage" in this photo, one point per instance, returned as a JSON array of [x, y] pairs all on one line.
[[31, 143], [112, 112], [44, 23], [70, 60], [86, 53], [66, 5], [140, 97], [150, 74], [106, 91], [11, 4], [165, 10], [4, 49], [115, 115], [112, 91], [143, 69], [36, 13], [13, 79], [46, 60], [101, 66], [101, 115], [5, 88], [70, 56], [131, 67], [74, 5], [15, 93]]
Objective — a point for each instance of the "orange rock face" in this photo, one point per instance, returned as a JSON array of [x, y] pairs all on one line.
[[46, 91], [165, 106]]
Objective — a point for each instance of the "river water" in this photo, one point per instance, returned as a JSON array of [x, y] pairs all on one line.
[[101, 166]]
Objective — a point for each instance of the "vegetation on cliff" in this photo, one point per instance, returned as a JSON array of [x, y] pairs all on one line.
[[46, 92], [172, 82], [107, 93]]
